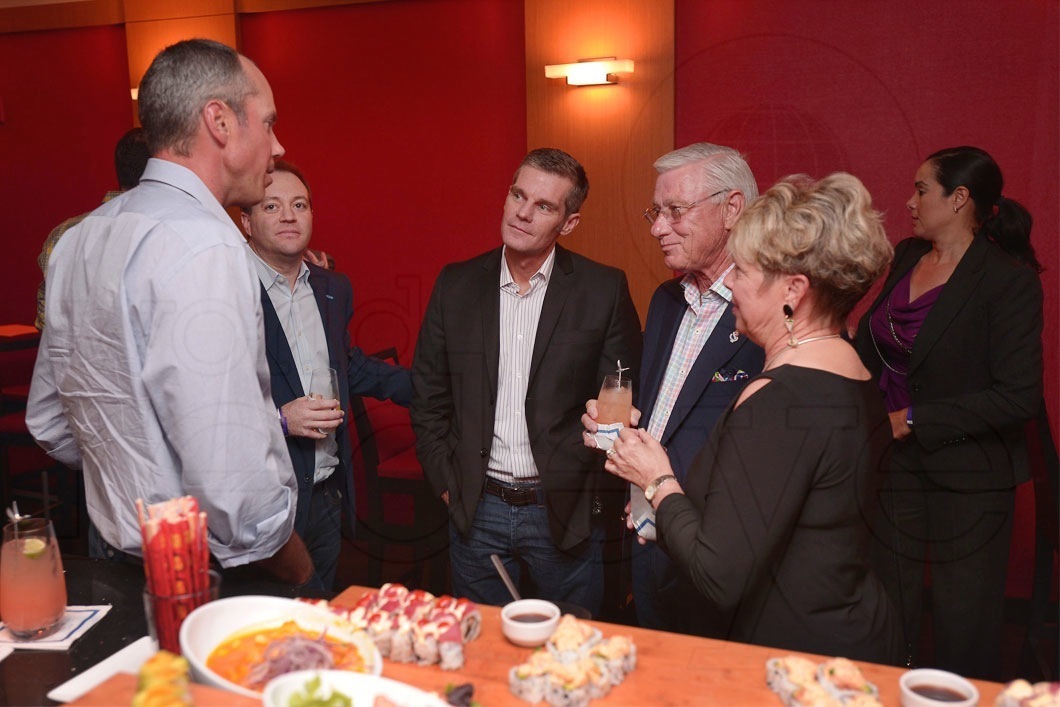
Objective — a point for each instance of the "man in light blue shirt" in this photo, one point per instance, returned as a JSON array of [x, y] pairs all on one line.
[[151, 374]]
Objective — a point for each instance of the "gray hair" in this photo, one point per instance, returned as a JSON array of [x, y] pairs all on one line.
[[723, 167], [182, 79]]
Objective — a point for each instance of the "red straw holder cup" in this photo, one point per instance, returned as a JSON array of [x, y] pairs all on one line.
[[165, 613]]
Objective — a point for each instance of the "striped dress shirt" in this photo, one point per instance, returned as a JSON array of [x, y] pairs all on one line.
[[511, 459], [703, 313]]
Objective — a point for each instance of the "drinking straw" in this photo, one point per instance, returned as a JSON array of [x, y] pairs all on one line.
[[44, 495], [620, 369]]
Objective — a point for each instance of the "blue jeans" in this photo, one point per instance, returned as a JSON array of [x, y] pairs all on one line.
[[521, 533]]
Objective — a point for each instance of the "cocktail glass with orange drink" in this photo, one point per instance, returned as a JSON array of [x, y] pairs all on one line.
[[32, 584]]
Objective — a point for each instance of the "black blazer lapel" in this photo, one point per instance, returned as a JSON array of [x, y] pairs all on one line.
[[956, 293], [489, 295], [555, 300], [326, 304], [276, 346], [717, 350], [665, 332]]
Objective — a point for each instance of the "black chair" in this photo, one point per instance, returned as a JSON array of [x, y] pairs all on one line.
[[40, 485], [1038, 658], [399, 519]]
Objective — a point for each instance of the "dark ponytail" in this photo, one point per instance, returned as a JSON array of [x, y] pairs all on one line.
[[1004, 221]]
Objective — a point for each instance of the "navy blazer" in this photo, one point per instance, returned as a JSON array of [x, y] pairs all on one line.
[[363, 375], [975, 374], [588, 323], [702, 400]]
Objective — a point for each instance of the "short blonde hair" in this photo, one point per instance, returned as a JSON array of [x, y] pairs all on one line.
[[826, 230]]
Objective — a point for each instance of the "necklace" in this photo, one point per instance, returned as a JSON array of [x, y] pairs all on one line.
[[890, 325], [798, 343]]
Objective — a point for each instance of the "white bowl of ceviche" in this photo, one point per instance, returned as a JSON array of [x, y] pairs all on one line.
[[241, 643]]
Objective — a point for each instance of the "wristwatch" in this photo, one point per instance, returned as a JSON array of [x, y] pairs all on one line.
[[651, 489]]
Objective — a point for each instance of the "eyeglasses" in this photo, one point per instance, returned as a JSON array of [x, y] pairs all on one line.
[[674, 212]]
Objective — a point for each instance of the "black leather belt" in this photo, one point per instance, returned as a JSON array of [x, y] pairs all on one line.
[[516, 495]]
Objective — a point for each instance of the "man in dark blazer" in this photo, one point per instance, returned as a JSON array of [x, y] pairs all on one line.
[[307, 312], [695, 362], [512, 344]]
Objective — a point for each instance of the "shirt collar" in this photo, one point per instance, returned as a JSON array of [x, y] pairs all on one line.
[[543, 274], [693, 296], [270, 277]]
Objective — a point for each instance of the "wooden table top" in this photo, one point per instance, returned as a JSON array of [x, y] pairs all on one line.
[[672, 669]]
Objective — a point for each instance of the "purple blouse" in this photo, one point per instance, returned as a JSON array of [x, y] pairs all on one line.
[[893, 327]]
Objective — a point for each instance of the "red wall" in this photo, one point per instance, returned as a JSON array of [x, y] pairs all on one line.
[[65, 102], [872, 88], [408, 118]]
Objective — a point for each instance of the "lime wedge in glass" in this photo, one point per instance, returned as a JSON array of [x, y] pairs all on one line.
[[33, 547]]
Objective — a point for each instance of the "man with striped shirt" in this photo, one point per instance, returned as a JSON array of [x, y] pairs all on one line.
[[512, 344]]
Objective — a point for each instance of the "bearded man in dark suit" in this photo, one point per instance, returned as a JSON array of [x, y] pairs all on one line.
[[512, 344]]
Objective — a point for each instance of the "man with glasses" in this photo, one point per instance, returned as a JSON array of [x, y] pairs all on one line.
[[512, 344], [307, 313], [695, 362]]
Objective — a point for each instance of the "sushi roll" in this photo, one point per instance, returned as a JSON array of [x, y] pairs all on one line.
[[842, 679], [451, 648], [381, 630], [163, 682], [529, 681], [572, 639], [401, 649], [568, 686], [619, 654], [812, 695], [785, 676], [425, 637], [598, 676]]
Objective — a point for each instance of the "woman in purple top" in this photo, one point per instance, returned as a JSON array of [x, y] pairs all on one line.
[[954, 339]]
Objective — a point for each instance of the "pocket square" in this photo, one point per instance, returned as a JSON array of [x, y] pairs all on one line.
[[728, 375]]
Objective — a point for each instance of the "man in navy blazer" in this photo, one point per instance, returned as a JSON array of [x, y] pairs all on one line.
[[695, 362], [512, 344], [307, 311]]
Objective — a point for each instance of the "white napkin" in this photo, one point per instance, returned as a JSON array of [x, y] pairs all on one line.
[[642, 514], [76, 621]]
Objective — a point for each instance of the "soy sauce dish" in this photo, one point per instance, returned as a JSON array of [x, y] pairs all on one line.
[[529, 622], [926, 687]]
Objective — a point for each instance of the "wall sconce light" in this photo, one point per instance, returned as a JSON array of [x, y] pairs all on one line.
[[590, 72], [135, 93]]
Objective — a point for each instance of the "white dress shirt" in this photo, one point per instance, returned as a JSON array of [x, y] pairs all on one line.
[[300, 319], [151, 373], [511, 459]]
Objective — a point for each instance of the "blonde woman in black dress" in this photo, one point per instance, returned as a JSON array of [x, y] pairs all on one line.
[[770, 527]]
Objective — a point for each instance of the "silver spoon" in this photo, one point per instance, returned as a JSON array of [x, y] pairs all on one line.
[[505, 577]]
